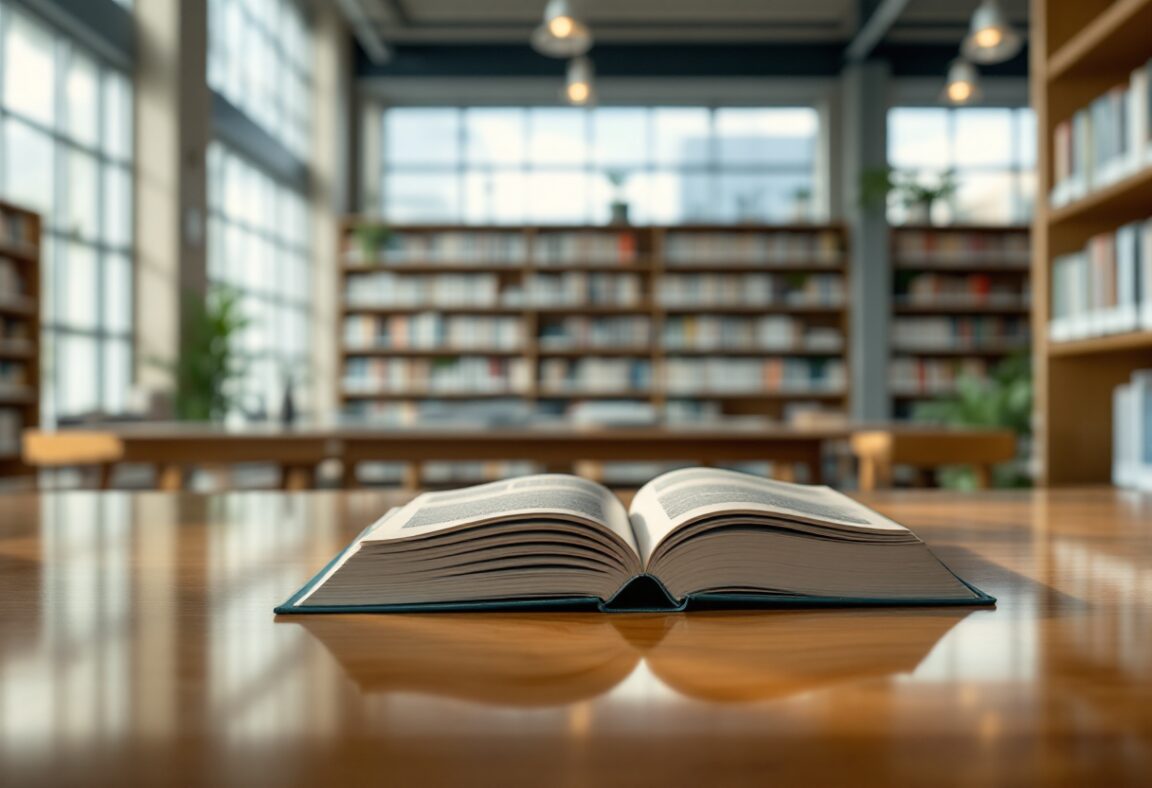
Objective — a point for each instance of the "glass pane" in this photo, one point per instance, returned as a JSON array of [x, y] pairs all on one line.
[[117, 374], [1026, 137], [985, 197], [117, 116], [1025, 197], [78, 287], [757, 198], [28, 167], [117, 207], [558, 136], [681, 135], [422, 197], [558, 197], [82, 192], [983, 137], [422, 136], [621, 136], [918, 138], [495, 197], [673, 198], [117, 293], [81, 95], [77, 374], [781, 136], [29, 69], [495, 136]]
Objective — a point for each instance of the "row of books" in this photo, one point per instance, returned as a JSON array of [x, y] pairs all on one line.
[[1132, 432], [933, 376], [742, 333], [584, 288], [15, 230], [958, 333], [594, 375], [11, 280], [750, 289], [455, 375], [432, 330], [1105, 288], [1104, 142], [383, 288], [926, 289], [556, 248], [13, 330], [584, 332], [481, 248], [13, 374], [956, 248], [11, 428], [752, 376], [724, 248]]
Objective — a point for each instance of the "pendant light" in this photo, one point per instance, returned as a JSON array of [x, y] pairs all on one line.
[[561, 34], [579, 90], [963, 86], [990, 39]]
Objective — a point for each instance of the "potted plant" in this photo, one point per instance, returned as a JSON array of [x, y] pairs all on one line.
[[802, 204], [917, 197], [208, 362], [619, 206], [1003, 400], [372, 238]]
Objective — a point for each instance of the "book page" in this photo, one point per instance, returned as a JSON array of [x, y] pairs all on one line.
[[682, 496], [541, 495]]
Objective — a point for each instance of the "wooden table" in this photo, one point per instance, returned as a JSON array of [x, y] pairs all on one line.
[[173, 448], [138, 646]]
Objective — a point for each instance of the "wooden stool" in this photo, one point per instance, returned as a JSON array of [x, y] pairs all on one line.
[[878, 451]]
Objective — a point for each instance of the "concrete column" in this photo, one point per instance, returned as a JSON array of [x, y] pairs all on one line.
[[864, 90], [173, 117]]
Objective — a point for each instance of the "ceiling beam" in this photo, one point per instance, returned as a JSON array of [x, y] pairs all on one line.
[[366, 31], [872, 32]]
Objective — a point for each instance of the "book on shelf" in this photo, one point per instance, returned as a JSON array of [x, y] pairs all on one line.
[[1132, 432], [15, 229], [691, 536], [920, 376], [387, 288], [1106, 288], [728, 332], [952, 333], [578, 287], [931, 289], [784, 247], [1104, 142], [572, 332], [11, 428], [596, 246], [946, 247], [401, 247], [720, 375], [430, 376], [594, 375], [430, 330], [676, 290]]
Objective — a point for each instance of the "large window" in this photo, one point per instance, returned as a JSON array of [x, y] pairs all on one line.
[[259, 246], [992, 151], [259, 58], [552, 165], [66, 151]]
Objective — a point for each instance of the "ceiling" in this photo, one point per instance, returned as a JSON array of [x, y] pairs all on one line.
[[680, 21]]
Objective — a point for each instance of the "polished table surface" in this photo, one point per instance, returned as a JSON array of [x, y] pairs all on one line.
[[138, 646]]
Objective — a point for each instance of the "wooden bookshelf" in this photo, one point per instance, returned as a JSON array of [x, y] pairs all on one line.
[[19, 332], [552, 330], [1080, 51], [960, 277]]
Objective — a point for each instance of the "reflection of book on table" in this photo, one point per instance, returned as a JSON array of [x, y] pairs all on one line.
[[699, 535], [534, 659]]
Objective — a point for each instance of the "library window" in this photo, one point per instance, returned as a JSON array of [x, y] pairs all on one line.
[[992, 151], [515, 165], [259, 58], [66, 152], [258, 245]]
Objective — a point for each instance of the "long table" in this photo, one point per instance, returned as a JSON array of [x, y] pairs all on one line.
[[174, 448], [138, 647]]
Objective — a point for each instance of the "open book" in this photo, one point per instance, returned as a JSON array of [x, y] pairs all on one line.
[[698, 535]]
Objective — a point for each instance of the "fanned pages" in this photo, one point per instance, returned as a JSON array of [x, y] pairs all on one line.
[[694, 534]]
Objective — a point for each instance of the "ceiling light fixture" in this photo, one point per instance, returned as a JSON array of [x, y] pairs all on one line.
[[579, 90], [562, 34], [991, 38], [963, 86]]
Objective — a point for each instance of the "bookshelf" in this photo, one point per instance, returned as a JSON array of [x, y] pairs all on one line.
[[961, 303], [695, 321], [1091, 64], [19, 332]]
